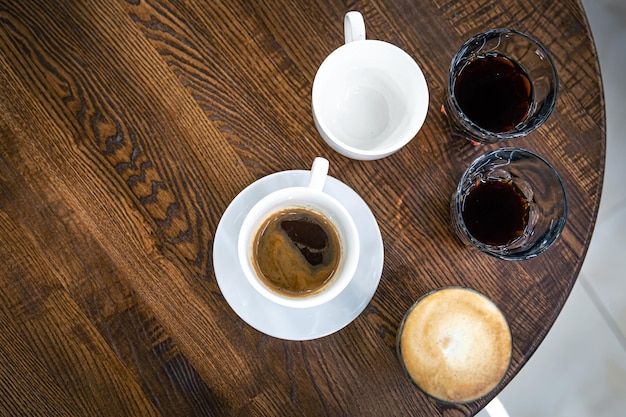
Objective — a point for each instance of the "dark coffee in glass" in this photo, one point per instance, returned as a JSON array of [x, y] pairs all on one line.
[[510, 203], [502, 84], [495, 212], [494, 92]]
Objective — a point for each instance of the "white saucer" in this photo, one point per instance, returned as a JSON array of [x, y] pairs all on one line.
[[296, 323]]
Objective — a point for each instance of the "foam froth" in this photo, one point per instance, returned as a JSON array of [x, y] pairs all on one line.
[[455, 344]]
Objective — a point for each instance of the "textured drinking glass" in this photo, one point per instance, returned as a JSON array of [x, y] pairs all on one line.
[[510, 203], [502, 84]]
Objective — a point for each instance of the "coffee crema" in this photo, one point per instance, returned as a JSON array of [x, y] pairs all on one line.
[[455, 344], [296, 252]]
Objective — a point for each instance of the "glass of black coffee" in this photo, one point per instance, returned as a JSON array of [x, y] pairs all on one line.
[[510, 203], [502, 84]]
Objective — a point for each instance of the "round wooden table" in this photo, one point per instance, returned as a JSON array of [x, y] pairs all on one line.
[[127, 128]]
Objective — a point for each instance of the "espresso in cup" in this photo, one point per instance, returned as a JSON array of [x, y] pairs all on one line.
[[455, 344], [299, 246], [296, 252]]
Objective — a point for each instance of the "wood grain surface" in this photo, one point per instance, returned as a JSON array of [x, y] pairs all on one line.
[[127, 127]]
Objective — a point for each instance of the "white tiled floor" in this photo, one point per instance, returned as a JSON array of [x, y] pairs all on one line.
[[580, 369]]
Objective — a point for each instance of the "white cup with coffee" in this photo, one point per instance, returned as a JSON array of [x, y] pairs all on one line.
[[369, 97], [299, 246]]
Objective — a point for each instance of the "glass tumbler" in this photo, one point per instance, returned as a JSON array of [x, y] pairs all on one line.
[[455, 344], [510, 203], [502, 84]]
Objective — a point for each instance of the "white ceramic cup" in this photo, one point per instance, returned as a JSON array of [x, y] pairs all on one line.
[[369, 97], [310, 197]]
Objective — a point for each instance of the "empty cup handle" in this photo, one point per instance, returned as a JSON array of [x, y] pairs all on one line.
[[354, 27], [319, 171]]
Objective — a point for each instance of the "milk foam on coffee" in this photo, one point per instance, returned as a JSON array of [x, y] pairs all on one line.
[[455, 344]]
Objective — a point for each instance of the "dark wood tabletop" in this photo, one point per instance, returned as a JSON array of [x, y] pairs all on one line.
[[127, 128]]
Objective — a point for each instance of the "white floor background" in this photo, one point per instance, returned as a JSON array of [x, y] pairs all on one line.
[[580, 369]]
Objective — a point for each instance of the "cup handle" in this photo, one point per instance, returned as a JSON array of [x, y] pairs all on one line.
[[319, 171], [354, 27]]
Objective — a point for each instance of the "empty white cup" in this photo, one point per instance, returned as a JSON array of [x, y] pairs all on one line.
[[369, 97]]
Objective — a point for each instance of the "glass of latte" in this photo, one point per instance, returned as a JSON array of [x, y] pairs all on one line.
[[455, 344]]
